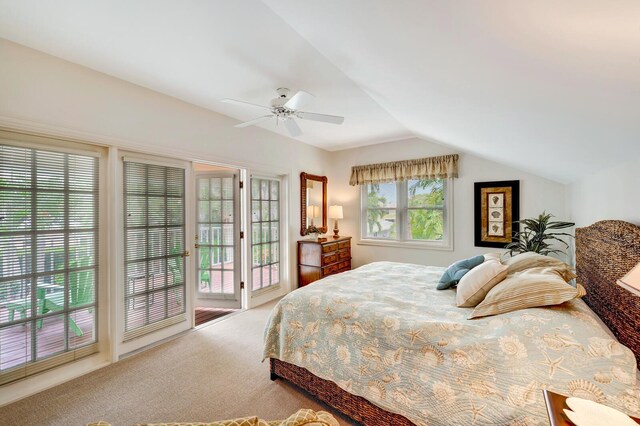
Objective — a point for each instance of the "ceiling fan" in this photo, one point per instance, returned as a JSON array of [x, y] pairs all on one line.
[[285, 109]]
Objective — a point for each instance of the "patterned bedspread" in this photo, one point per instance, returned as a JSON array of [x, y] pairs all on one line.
[[384, 332]]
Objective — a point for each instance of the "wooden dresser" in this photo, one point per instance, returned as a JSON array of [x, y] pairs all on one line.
[[320, 259]]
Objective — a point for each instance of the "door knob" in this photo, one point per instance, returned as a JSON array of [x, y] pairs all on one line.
[[186, 253]]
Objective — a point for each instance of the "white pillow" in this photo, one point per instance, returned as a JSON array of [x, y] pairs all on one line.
[[476, 283], [493, 256]]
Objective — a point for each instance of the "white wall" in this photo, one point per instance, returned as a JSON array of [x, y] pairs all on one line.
[[607, 194], [536, 194]]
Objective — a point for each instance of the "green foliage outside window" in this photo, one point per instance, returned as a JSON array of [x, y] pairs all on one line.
[[425, 211], [426, 223], [375, 216]]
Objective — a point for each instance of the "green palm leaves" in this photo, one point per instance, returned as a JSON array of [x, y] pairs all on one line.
[[538, 235]]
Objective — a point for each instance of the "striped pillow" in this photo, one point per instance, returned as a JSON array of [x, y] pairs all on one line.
[[524, 261], [528, 289], [475, 285], [564, 270]]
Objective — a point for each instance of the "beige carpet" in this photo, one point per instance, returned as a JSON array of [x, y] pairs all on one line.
[[210, 374]]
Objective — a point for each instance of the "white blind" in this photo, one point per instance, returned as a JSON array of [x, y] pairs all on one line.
[[154, 243], [265, 232], [48, 257]]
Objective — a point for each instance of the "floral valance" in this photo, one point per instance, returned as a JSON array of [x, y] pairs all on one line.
[[442, 167]]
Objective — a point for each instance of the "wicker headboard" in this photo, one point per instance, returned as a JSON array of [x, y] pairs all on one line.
[[606, 251]]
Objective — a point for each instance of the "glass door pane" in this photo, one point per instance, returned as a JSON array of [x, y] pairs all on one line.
[[265, 232], [217, 236]]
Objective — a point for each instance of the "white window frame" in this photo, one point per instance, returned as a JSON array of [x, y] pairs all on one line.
[[402, 216], [69, 358], [281, 245]]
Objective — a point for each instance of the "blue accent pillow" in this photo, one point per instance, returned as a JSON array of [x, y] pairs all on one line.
[[455, 272]]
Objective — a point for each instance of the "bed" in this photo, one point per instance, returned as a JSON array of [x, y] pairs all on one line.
[[384, 347]]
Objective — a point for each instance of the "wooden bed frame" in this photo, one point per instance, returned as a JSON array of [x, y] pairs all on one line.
[[605, 251]]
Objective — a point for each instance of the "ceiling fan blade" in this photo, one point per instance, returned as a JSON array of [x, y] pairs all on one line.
[[292, 127], [254, 121], [233, 101], [325, 118], [299, 100]]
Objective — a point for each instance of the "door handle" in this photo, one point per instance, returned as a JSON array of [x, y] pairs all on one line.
[[186, 253]]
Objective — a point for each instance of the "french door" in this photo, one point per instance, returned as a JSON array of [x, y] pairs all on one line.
[[218, 254], [154, 246]]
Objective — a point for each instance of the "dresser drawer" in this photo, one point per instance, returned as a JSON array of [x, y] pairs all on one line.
[[326, 248], [330, 270], [345, 264], [328, 259], [319, 259]]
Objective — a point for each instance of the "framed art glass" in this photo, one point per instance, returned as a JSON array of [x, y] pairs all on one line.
[[496, 212]]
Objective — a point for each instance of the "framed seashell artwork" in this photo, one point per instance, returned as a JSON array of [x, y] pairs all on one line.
[[496, 210]]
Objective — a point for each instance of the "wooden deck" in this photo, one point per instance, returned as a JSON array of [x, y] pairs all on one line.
[[225, 286], [16, 340], [204, 315]]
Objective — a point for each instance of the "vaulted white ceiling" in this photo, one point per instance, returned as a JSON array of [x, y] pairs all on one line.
[[549, 86]]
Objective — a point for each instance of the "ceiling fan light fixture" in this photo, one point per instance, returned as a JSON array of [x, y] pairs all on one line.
[[283, 92]]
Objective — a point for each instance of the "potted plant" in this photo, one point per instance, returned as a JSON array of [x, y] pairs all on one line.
[[538, 235], [314, 232]]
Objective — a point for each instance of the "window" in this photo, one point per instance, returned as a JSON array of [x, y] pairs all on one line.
[[411, 211], [154, 244], [48, 258], [265, 232]]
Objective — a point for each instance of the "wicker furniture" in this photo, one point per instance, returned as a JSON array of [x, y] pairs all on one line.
[[302, 417], [353, 406], [320, 259], [606, 251]]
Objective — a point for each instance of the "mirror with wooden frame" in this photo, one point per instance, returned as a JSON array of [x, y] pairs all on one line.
[[313, 202]]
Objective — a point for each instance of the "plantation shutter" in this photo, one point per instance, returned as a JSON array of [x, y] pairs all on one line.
[[154, 238], [48, 258]]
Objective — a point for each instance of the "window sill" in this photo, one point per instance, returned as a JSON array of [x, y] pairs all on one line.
[[265, 290], [421, 245], [217, 296]]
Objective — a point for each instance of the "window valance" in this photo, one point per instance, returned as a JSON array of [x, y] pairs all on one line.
[[442, 167]]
